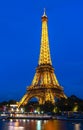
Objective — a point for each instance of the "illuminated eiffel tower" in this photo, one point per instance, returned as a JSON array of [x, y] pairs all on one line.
[[45, 86]]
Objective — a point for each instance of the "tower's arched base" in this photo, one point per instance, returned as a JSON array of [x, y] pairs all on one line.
[[42, 94]]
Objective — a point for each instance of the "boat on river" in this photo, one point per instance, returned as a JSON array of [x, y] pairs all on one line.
[[30, 116]]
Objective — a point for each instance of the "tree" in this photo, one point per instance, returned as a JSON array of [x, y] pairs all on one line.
[[47, 107]]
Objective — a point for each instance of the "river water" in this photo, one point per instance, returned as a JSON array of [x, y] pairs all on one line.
[[40, 125]]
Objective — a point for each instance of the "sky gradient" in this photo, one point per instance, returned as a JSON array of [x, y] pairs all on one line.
[[20, 34]]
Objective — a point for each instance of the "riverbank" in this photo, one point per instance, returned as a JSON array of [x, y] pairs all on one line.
[[40, 117]]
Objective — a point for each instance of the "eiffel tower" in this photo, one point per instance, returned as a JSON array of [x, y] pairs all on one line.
[[45, 86]]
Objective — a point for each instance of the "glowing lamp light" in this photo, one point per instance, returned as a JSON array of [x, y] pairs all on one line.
[[22, 110], [35, 111], [12, 109], [17, 110], [75, 109]]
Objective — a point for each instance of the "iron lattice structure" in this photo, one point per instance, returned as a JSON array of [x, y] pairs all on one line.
[[45, 86]]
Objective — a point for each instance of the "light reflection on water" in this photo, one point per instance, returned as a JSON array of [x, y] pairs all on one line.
[[77, 126], [40, 125]]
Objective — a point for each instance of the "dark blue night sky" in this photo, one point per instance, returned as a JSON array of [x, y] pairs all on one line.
[[20, 33]]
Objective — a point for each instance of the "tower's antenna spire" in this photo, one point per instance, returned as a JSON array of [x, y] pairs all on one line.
[[44, 11], [44, 15]]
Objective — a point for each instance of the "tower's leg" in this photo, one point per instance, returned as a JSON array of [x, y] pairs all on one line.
[[41, 101], [49, 96]]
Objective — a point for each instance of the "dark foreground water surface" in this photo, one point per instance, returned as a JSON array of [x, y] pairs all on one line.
[[40, 125]]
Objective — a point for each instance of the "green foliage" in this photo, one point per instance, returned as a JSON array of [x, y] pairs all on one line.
[[11, 102], [31, 106], [70, 104], [47, 107]]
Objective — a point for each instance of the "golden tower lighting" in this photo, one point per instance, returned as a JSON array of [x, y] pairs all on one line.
[[44, 86]]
